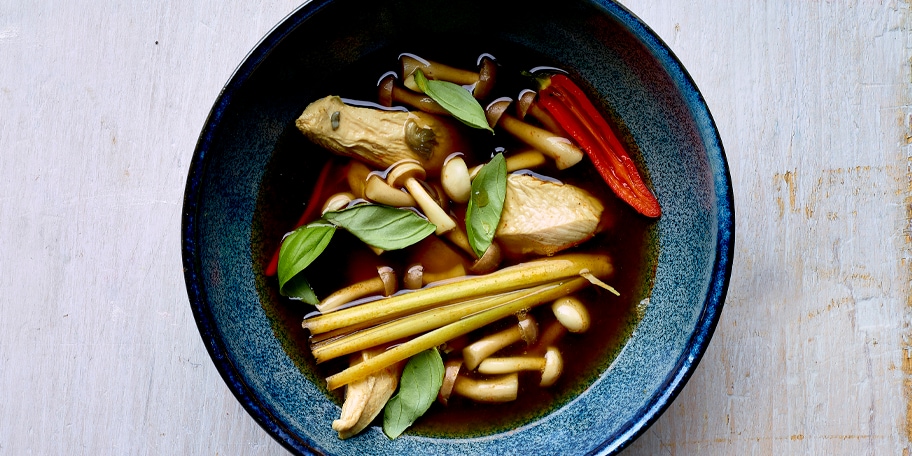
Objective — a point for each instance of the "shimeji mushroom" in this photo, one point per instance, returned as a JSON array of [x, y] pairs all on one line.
[[408, 174], [526, 159], [548, 337], [414, 277], [526, 330], [455, 179], [571, 313], [550, 365], [526, 106], [482, 81], [450, 373], [503, 388], [376, 189], [554, 366], [356, 176], [559, 148], [337, 202], [370, 185], [390, 93], [384, 283]]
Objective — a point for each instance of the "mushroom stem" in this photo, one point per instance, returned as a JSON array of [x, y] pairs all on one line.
[[550, 336], [483, 80], [551, 365], [384, 283], [523, 275], [377, 190], [527, 159], [559, 148], [526, 330], [450, 331], [433, 70], [498, 389], [509, 364], [407, 174], [389, 93], [450, 374]]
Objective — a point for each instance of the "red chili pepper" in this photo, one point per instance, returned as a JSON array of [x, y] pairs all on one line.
[[582, 121], [309, 208]]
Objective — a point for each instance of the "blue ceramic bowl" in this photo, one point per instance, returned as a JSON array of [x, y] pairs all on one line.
[[230, 229]]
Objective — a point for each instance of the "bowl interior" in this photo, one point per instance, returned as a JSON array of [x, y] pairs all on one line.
[[245, 145]]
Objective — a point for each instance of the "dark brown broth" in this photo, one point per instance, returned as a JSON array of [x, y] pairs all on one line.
[[289, 180]]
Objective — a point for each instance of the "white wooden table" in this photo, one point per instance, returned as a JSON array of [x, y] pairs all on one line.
[[101, 104]]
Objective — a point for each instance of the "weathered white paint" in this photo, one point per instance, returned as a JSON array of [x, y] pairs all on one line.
[[100, 107]]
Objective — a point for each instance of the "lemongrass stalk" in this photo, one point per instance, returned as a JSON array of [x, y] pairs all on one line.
[[523, 275], [413, 324], [464, 326]]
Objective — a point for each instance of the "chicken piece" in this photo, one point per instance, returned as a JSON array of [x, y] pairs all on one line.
[[380, 137], [365, 399], [543, 217]]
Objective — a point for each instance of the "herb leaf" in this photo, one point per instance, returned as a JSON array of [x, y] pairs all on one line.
[[489, 188], [455, 99], [418, 388], [298, 287], [298, 250], [384, 227]]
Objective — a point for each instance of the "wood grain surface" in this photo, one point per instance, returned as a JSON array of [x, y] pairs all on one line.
[[101, 104]]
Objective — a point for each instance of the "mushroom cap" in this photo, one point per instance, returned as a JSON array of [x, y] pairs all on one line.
[[528, 329], [572, 313], [414, 277], [455, 179], [402, 172], [388, 277], [495, 110], [450, 372], [554, 366], [524, 102], [487, 72], [337, 201], [489, 260], [385, 89]]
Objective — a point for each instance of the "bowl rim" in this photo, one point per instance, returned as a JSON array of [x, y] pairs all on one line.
[[669, 388]]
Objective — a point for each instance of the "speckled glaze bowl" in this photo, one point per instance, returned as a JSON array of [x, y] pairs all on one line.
[[227, 239]]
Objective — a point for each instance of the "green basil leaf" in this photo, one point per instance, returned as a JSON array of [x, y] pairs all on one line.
[[489, 188], [298, 287], [418, 387], [384, 227], [455, 99], [298, 250]]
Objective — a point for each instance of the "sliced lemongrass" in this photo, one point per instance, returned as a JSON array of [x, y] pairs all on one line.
[[596, 281], [440, 335], [523, 275], [412, 324]]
